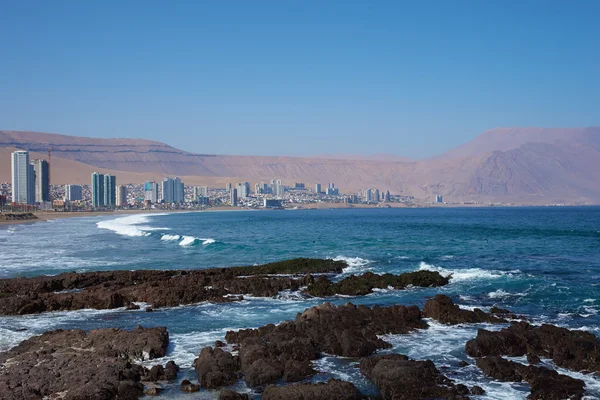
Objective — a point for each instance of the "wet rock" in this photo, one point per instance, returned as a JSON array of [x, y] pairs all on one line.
[[350, 331], [156, 373], [332, 390], [149, 309], [442, 309], [477, 391], [171, 370], [231, 395], [365, 283], [463, 364], [399, 378], [114, 289], [295, 370], [216, 368], [188, 387], [533, 359], [575, 350], [153, 391], [86, 365], [545, 384], [219, 343], [263, 371], [132, 306]]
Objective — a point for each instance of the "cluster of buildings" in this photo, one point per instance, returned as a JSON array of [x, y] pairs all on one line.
[[31, 186], [30, 179]]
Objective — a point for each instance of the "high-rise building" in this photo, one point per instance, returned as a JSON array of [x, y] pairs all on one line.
[[23, 179], [387, 196], [172, 190], [200, 191], [228, 187], [41, 169], [376, 195], [439, 198], [121, 196], [243, 190], [73, 192], [368, 195], [151, 192], [97, 190], [318, 188], [234, 199], [258, 188], [110, 190]]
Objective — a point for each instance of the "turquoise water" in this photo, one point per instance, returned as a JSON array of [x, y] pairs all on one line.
[[541, 262]]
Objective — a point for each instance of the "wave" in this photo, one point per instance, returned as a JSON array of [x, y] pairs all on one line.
[[355, 264], [468, 274], [130, 225], [500, 294], [187, 241], [169, 237]]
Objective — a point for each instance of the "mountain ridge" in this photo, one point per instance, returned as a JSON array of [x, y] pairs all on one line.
[[558, 168]]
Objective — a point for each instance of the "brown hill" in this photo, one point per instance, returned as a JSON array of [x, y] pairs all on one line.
[[531, 165]]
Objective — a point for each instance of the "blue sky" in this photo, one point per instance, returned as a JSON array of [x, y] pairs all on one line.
[[298, 77]]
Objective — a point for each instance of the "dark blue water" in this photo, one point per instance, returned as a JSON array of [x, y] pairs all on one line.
[[542, 262]]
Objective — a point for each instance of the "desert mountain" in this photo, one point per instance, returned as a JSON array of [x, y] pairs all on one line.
[[522, 165]]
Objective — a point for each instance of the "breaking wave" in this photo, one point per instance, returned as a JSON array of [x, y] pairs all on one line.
[[130, 225], [355, 264], [468, 274], [192, 241]]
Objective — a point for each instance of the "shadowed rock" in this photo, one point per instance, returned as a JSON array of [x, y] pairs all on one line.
[[332, 390], [442, 309], [216, 368], [94, 365], [365, 283], [399, 378], [272, 352], [575, 350], [545, 384], [114, 289]]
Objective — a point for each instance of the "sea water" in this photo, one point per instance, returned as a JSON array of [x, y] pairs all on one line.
[[540, 262]]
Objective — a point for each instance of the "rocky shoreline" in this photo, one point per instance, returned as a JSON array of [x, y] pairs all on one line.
[[10, 217], [274, 360]]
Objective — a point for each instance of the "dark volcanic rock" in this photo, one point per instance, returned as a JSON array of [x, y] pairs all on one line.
[[216, 368], [399, 378], [545, 384], [188, 387], [283, 351], [576, 350], [332, 390], [442, 309], [160, 373], [113, 289], [477, 391], [365, 283], [231, 395], [94, 365]]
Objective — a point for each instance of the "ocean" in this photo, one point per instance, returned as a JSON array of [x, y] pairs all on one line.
[[540, 262]]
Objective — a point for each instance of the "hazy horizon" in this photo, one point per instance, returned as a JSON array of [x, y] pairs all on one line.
[[298, 79]]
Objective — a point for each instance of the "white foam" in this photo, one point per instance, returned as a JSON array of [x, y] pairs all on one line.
[[447, 257], [168, 237], [355, 264], [130, 225], [468, 274], [207, 241], [499, 294], [188, 241]]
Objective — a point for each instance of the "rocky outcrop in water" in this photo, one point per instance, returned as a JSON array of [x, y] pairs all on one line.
[[442, 309], [575, 350], [78, 365], [332, 390], [545, 384], [365, 283], [216, 368], [270, 353], [114, 289], [399, 378]]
